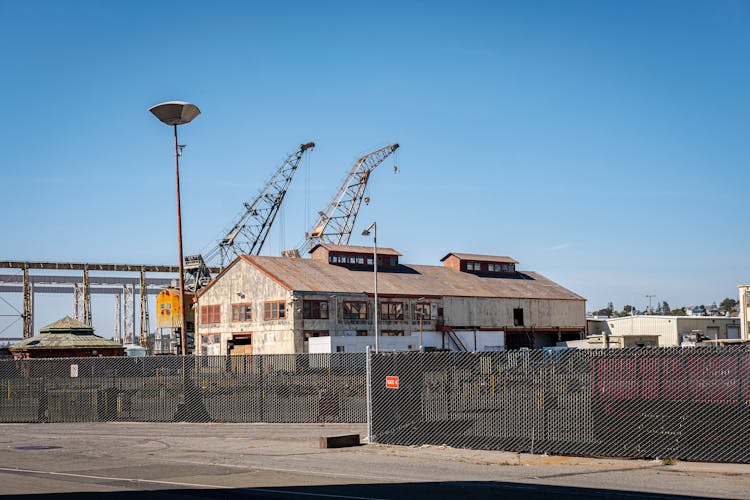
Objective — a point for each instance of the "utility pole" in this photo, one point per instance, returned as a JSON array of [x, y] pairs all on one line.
[[650, 310]]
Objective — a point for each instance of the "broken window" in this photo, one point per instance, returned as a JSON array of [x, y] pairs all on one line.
[[355, 310]]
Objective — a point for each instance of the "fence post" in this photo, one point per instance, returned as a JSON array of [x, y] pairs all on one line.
[[368, 368]]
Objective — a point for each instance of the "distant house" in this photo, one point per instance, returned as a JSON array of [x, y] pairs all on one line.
[[66, 338]]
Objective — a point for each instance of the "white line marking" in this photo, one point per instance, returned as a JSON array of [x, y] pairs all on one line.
[[192, 485]]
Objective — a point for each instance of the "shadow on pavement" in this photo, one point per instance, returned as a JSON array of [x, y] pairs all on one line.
[[409, 491]]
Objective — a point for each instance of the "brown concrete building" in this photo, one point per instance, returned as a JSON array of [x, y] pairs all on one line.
[[66, 338], [268, 305]]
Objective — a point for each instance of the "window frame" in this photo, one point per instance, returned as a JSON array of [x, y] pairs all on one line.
[[274, 310], [238, 307], [390, 316], [425, 315], [308, 309], [360, 303]]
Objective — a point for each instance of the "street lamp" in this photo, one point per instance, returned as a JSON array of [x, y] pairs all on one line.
[[366, 232], [178, 113]]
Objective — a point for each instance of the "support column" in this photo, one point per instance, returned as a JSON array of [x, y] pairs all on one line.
[[28, 305], [86, 297], [118, 318], [144, 311], [76, 302]]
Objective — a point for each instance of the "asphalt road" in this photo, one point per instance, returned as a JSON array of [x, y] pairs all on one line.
[[178, 460]]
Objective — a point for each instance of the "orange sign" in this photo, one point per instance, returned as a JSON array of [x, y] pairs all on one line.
[[391, 382]]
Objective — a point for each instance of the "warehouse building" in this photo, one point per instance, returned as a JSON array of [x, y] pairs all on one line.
[[661, 331], [273, 305]]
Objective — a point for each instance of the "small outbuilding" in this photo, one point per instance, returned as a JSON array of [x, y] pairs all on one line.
[[66, 338]]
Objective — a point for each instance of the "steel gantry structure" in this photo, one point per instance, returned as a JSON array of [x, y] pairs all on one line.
[[81, 287], [337, 221]]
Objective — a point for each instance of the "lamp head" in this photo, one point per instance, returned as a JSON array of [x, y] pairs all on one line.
[[175, 112], [366, 232]]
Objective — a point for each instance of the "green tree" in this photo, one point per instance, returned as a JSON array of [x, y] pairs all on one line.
[[665, 308], [677, 312], [627, 309], [728, 304]]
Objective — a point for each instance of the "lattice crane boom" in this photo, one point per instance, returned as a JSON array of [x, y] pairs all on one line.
[[251, 226], [337, 221]]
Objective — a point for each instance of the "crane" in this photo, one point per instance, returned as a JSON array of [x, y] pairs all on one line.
[[251, 226], [337, 221]]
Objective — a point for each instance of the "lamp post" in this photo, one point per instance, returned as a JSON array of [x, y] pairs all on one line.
[[366, 232], [178, 113]]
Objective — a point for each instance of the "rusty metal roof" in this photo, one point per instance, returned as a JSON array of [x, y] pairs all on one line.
[[484, 258], [407, 280], [354, 249]]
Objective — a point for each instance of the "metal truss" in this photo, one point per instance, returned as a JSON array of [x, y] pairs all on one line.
[[337, 221], [249, 231]]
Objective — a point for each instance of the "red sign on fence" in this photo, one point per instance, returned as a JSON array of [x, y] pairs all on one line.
[[391, 382]]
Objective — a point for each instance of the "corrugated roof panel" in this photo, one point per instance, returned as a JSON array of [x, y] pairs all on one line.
[[317, 276]]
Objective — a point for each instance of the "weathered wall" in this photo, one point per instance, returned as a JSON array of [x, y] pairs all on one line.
[[498, 313], [269, 337], [670, 329]]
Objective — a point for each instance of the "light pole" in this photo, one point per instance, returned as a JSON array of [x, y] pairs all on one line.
[[366, 232], [178, 113], [421, 316]]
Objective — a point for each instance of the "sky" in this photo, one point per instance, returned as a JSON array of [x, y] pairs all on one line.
[[602, 144]]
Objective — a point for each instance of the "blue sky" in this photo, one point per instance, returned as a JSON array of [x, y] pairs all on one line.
[[603, 144]]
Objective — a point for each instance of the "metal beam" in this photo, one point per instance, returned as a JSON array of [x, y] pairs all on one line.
[[79, 266], [66, 289], [94, 280]]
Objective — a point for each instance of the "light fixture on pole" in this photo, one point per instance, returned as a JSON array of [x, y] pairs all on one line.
[[366, 232], [178, 113]]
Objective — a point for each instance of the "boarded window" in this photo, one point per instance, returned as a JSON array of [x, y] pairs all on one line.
[[210, 314], [518, 316]]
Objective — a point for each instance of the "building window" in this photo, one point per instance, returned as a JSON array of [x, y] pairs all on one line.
[[361, 333], [473, 266], [392, 333], [208, 339], [274, 310], [393, 261], [315, 333], [369, 261], [518, 316], [392, 310], [355, 310], [315, 309], [242, 312], [421, 311], [360, 259], [340, 348], [210, 314]]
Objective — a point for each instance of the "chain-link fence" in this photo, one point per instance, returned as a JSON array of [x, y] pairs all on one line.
[[691, 404], [266, 388]]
